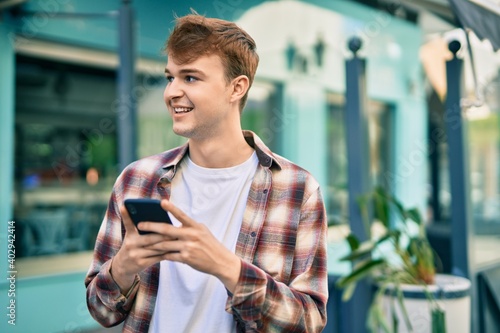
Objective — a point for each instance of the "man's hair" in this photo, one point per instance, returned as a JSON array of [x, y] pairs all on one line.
[[195, 35]]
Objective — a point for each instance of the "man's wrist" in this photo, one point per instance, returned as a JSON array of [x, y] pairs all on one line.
[[230, 273], [123, 281]]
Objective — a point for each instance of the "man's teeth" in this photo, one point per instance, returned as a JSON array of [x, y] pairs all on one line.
[[182, 110]]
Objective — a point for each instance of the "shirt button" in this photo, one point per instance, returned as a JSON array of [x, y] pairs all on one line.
[[265, 191], [253, 234]]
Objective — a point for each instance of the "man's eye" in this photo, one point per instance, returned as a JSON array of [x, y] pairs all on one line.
[[170, 79], [190, 79]]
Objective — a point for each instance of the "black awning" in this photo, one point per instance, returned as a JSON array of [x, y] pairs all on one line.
[[480, 16]]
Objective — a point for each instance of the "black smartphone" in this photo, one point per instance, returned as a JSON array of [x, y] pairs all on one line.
[[142, 210]]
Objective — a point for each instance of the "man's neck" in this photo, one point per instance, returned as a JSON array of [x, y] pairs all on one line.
[[220, 152]]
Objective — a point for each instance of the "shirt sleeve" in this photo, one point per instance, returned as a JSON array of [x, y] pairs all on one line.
[[261, 303], [105, 301]]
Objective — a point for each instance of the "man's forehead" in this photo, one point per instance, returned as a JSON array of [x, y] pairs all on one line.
[[200, 62]]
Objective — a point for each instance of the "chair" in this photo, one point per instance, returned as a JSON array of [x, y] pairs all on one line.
[[49, 230]]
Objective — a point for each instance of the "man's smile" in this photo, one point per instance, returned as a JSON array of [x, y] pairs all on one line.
[[182, 109]]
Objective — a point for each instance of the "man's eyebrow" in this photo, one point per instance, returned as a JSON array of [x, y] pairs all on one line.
[[187, 71]]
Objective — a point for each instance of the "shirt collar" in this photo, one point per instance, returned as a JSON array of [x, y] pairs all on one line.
[[264, 154]]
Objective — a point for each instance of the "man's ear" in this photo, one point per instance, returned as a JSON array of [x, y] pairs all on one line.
[[240, 86]]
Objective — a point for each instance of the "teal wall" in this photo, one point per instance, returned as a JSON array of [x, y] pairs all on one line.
[[6, 141], [154, 19], [49, 304], [304, 136], [395, 75]]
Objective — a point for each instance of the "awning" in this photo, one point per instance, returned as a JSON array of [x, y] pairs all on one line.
[[480, 16]]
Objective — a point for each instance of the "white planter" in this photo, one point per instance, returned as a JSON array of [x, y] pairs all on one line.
[[452, 294]]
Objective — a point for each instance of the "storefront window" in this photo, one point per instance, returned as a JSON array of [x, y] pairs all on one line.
[[379, 129], [337, 194], [483, 153], [65, 155], [484, 164]]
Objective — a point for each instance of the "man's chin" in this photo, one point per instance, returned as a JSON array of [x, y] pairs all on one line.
[[187, 133]]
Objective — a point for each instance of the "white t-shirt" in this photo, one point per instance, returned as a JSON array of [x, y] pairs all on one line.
[[189, 301]]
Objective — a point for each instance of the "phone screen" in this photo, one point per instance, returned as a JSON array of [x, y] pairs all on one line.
[[146, 210]]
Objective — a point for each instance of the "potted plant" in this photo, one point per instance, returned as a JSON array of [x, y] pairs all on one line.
[[401, 263]]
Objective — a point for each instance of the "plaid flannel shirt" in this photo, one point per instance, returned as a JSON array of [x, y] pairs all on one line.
[[282, 246]]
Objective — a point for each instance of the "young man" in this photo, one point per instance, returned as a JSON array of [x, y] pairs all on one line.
[[247, 248]]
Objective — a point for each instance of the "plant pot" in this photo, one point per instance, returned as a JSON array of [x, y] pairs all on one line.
[[452, 293]]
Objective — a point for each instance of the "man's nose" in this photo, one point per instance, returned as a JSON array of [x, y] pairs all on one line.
[[173, 90]]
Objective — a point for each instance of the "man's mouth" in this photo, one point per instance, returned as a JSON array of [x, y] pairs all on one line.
[[182, 110]]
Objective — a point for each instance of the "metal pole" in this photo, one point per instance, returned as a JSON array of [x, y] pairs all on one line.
[[458, 164], [355, 312], [435, 127], [126, 113], [358, 149]]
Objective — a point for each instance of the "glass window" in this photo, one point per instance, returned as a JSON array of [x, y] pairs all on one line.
[[484, 164], [65, 155], [379, 129], [337, 195], [483, 138]]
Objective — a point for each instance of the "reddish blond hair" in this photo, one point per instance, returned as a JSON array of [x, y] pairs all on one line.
[[195, 35]]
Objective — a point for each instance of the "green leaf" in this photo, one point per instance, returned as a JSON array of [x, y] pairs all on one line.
[[409, 262], [348, 291], [362, 251], [381, 192], [438, 321], [414, 215], [395, 321], [376, 320], [353, 241], [403, 308], [363, 202], [390, 234], [381, 207], [360, 271]]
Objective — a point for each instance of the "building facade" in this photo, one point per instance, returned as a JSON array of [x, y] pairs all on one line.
[[59, 123]]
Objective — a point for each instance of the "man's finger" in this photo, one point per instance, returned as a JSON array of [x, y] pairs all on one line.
[[179, 214], [167, 246], [127, 222], [160, 228]]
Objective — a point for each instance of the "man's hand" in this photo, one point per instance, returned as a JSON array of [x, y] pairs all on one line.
[[192, 244], [136, 254]]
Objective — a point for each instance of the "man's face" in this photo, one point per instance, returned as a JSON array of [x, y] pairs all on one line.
[[198, 97]]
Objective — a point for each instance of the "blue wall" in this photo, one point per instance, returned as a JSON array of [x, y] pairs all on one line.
[[6, 157], [154, 19], [49, 304]]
